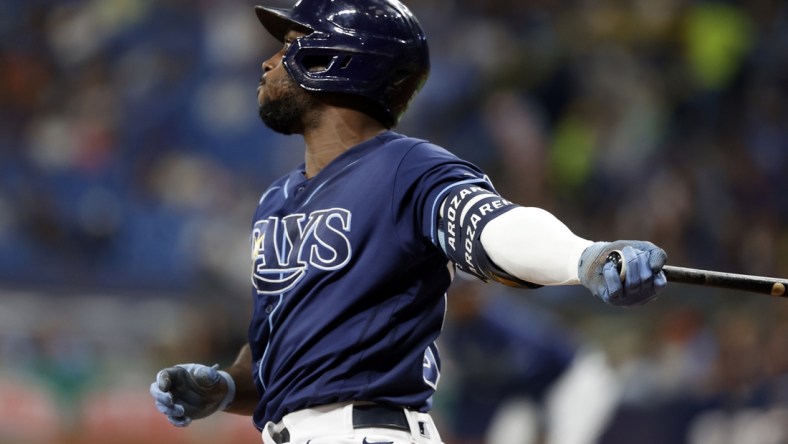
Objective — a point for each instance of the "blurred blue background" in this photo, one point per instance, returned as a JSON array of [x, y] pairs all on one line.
[[132, 157]]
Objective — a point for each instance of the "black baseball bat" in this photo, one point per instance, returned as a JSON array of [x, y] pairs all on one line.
[[745, 282], [709, 278]]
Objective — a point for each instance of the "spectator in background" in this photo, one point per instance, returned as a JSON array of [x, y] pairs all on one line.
[[522, 375]]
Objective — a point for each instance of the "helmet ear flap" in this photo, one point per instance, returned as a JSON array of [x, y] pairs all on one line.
[[318, 63], [400, 76], [345, 62]]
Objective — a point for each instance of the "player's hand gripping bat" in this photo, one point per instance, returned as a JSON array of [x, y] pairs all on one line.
[[745, 282]]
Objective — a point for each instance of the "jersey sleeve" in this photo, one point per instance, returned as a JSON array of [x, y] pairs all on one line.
[[425, 176], [450, 201]]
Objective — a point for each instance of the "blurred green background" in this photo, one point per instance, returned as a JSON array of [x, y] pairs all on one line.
[[132, 158]]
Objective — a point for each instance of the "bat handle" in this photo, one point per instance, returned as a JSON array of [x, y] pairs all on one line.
[[757, 284], [617, 258]]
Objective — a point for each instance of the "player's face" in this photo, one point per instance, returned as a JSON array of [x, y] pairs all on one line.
[[283, 105]]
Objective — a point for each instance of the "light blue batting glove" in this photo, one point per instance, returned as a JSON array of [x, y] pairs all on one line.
[[635, 281], [191, 391]]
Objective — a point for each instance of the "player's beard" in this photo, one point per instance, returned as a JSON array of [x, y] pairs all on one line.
[[289, 112]]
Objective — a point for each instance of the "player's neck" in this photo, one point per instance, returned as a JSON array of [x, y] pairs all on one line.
[[339, 130]]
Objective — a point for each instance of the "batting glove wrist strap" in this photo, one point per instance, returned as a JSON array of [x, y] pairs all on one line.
[[643, 279], [227, 401]]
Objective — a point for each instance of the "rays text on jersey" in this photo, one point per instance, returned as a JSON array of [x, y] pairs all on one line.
[[284, 249]]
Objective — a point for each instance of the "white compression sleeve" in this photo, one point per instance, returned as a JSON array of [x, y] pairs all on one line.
[[532, 244]]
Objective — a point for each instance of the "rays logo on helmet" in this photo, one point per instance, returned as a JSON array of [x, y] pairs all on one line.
[[284, 249]]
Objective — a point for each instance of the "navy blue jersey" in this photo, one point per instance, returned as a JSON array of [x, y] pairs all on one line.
[[349, 284]]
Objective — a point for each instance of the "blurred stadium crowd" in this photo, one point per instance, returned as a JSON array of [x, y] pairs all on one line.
[[132, 157]]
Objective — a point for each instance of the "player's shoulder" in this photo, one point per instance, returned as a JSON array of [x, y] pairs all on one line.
[[416, 149], [427, 163]]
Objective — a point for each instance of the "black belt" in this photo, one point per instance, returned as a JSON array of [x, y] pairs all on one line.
[[366, 416], [374, 415]]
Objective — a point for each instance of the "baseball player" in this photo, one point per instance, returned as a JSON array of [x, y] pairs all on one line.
[[352, 252]]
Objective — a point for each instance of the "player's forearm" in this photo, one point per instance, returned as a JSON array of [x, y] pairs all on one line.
[[246, 396], [533, 245]]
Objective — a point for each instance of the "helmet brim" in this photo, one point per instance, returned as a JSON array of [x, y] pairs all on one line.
[[277, 21]]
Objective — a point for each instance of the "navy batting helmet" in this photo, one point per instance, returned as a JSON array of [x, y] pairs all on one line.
[[370, 48]]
